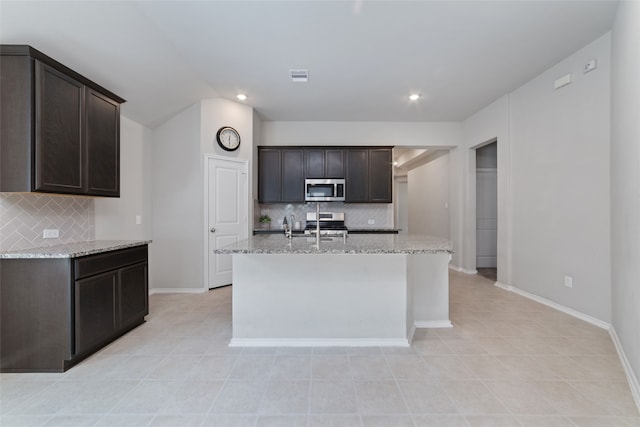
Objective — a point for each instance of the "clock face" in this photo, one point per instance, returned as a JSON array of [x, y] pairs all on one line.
[[228, 138]]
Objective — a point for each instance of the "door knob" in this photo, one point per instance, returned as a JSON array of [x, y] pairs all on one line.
[[213, 230]]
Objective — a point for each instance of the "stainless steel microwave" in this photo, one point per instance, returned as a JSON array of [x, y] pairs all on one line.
[[324, 190]]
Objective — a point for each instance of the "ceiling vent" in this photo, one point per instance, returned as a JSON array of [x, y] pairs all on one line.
[[299, 75]]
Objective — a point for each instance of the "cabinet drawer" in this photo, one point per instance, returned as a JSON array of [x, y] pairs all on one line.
[[95, 264]]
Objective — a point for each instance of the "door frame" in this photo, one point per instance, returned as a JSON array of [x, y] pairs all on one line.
[[205, 198]]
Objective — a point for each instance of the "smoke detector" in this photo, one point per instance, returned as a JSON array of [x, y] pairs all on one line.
[[299, 75]]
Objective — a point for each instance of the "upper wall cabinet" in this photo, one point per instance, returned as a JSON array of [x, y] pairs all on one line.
[[367, 170], [60, 131], [369, 175], [324, 162], [280, 175]]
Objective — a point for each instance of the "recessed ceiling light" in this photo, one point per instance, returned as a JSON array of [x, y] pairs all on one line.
[[414, 96], [241, 96]]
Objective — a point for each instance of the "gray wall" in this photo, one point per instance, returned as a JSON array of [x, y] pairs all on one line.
[[429, 196], [560, 141], [625, 182]]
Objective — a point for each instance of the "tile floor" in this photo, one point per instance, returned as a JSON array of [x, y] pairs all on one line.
[[507, 362]]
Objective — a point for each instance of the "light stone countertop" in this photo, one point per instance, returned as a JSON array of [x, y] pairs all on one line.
[[354, 244], [72, 250]]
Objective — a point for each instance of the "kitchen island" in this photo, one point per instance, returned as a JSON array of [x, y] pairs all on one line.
[[365, 290]]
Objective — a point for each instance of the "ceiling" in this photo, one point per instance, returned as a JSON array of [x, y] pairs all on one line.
[[364, 57]]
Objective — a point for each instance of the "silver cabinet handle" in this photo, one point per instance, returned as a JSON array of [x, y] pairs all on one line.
[[213, 230]]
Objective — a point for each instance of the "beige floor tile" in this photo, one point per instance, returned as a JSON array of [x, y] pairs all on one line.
[[440, 421], [333, 397], [522, 397], [229, 420], [334, 421], [606, 421], [379, 397], [285, 397], [177, 421], [426, 397], [23, 420], [545, 421], [330, 366], [239, 397], [492, 421], [282, 421], [370, 367], [287, 367], [387, 421], [73, 421], [408, 367], [472, 397], [616, 396]]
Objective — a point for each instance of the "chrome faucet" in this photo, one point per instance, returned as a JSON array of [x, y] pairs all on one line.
[[288, 226]]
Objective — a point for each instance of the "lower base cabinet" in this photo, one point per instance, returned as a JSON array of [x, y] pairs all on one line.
[[56, 312]]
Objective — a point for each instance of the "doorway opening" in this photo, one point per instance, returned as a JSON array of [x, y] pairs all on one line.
[[487, 210]]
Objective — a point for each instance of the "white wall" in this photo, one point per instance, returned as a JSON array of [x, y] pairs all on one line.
[[115, 218], [490, 123], [429, 193], [625, 181], [560, 176], [176, 258], [179, 147], [553, 183], [362, 133]]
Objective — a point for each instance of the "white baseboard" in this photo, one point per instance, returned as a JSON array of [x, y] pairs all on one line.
[[634, 385], [319, 342], [433, 324], [462, 270], [571, 312], [177, 291]]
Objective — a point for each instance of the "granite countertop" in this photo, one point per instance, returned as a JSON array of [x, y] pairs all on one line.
[[72, 250], [354, 244]]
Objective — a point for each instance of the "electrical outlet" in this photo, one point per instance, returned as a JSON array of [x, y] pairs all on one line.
[[371, 221], [568, 281], [138, 219], [50, 234]]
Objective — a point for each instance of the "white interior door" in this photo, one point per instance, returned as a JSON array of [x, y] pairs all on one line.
[[486, 218], [227, 214]]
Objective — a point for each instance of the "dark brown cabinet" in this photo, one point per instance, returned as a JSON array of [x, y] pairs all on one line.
[[60, 131], [357, 178], [380, 175], [369, 175], [280, 175], [368, 172], [55, 312], [324, 162]]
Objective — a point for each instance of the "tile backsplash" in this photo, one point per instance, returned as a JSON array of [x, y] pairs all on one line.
[[356, 215], [23, 217]]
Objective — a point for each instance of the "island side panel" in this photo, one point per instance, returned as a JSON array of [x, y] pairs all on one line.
[[429, 279], [319, 299]]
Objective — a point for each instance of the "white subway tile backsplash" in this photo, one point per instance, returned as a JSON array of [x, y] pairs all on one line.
[[356, 215], [24, 216]]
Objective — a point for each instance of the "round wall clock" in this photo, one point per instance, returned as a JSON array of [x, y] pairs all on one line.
[[228, 138]]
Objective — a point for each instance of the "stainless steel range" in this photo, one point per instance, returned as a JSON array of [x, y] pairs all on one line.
[[331, 224]]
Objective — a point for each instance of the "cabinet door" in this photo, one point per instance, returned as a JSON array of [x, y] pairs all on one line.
[[58, 145], [103, 145], [357, 175], [314, 163], [380, 175], [95, 310], [133, 295], [292, 175], [334, 163], [269, 175]]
